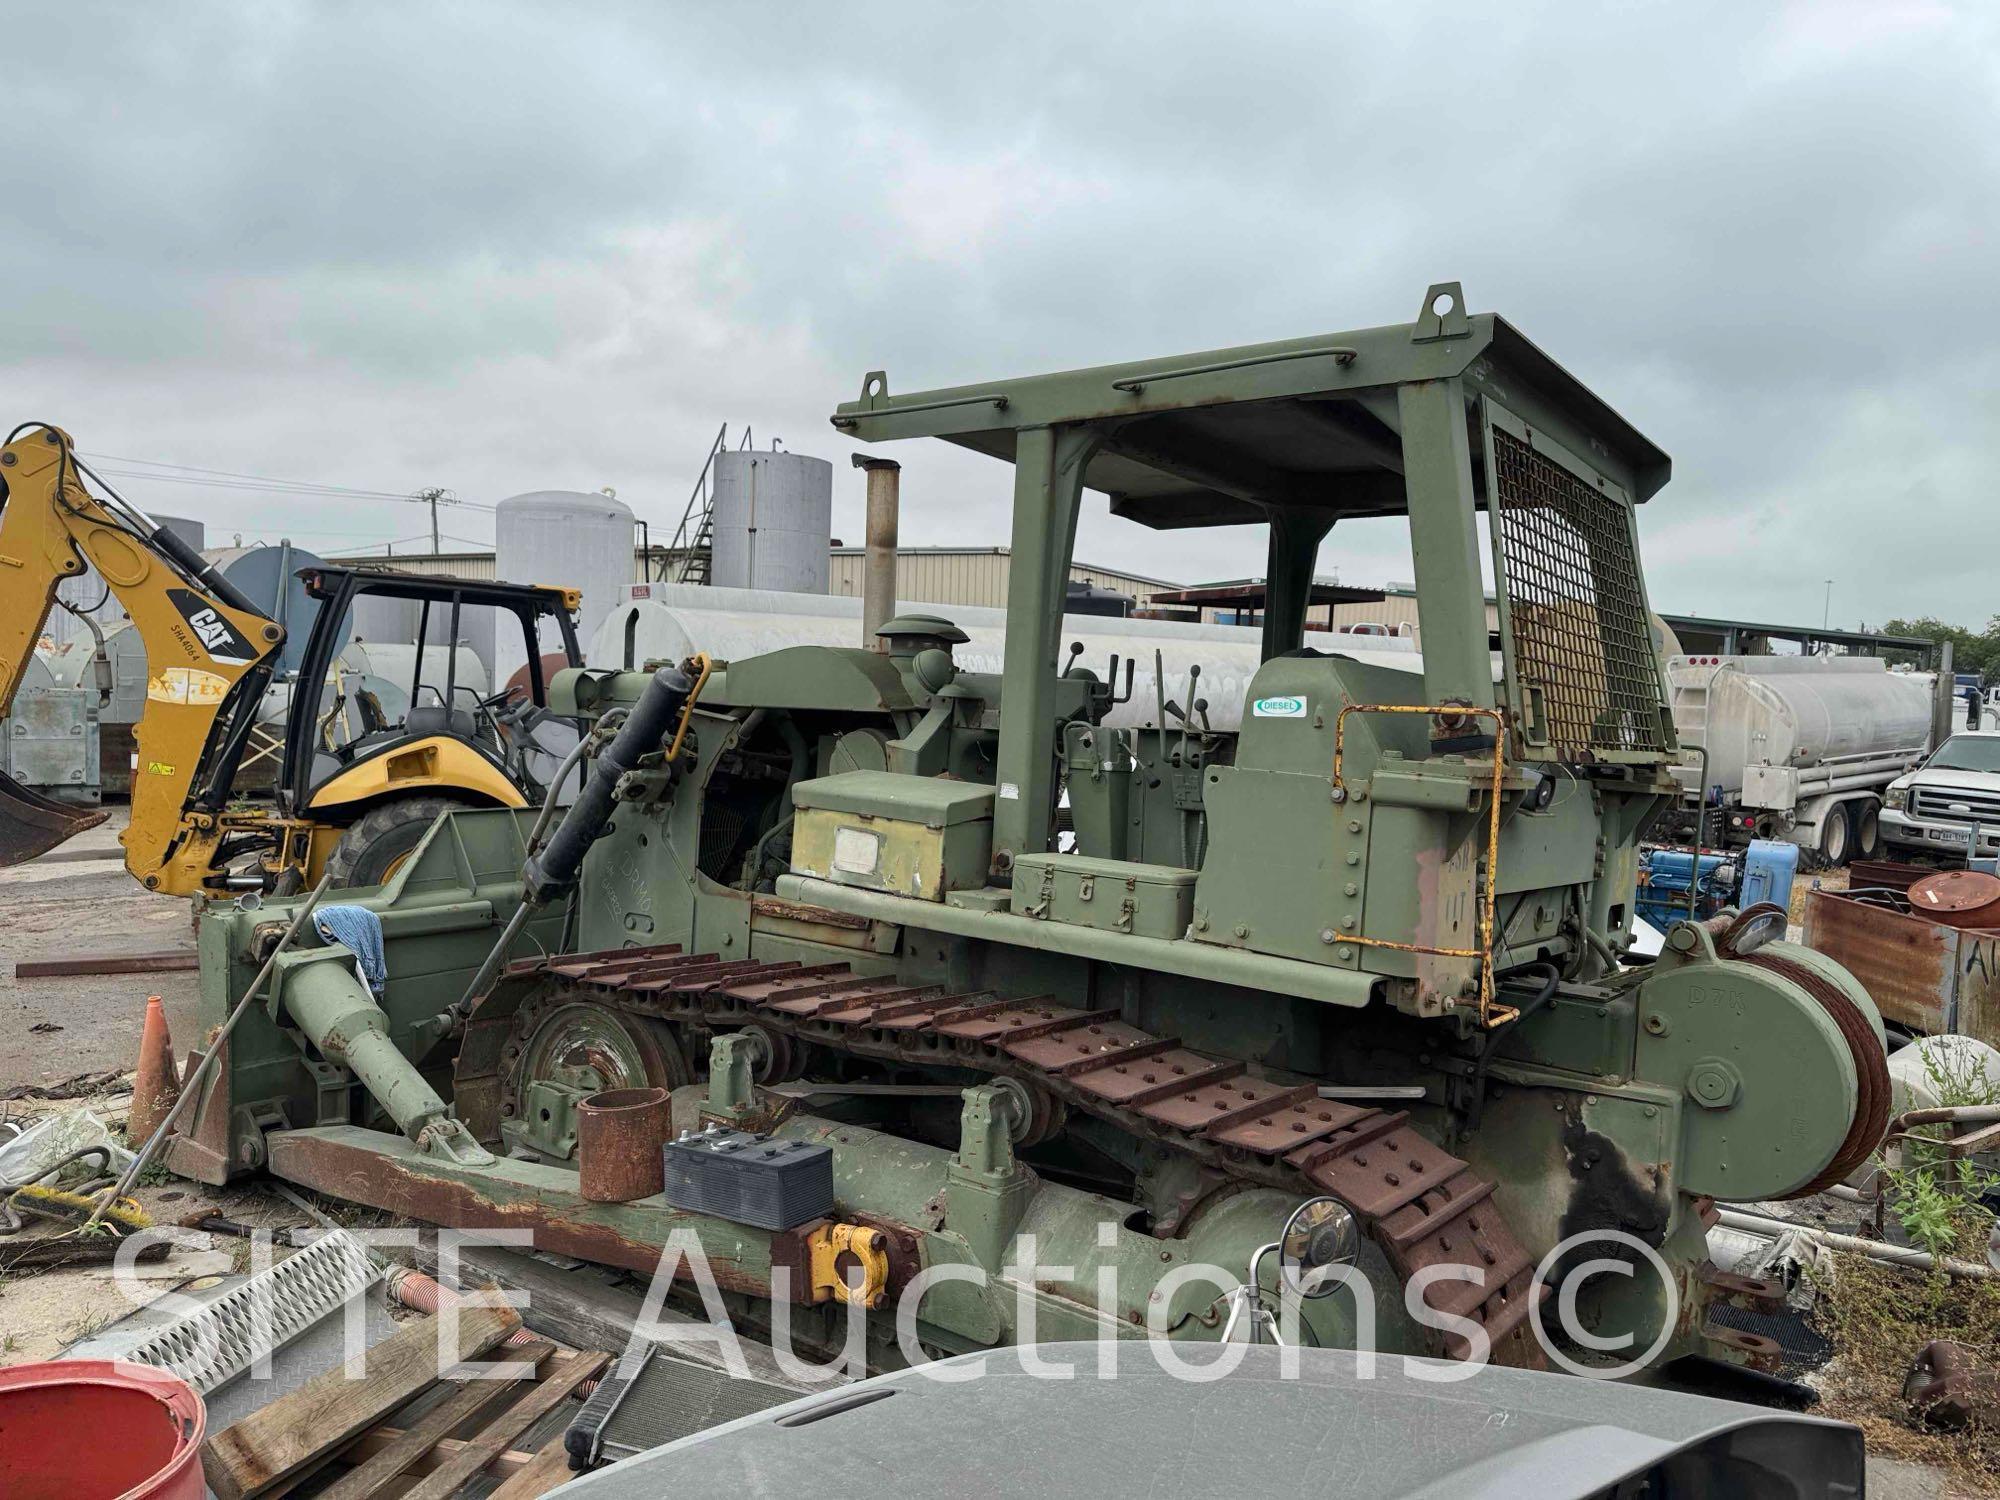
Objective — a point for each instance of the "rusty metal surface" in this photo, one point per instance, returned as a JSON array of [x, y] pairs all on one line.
[[1958, 898], [1884, 874], [1424, 1206], [608, 1234], [198, 1147], [168, 960], [1904, 962], [1923, 975], [32, 824], [619, 1134], [1949, 1388]]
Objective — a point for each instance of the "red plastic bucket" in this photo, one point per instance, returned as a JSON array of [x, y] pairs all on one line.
[[99, 1429]]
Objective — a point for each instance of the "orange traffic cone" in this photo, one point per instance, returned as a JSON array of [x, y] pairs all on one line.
[[157, 1086]]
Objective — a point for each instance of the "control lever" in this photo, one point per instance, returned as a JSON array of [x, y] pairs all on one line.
[[1195, 705], [1116, 696]]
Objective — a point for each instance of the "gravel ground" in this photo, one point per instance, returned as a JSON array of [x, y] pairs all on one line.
[[53, 1029]]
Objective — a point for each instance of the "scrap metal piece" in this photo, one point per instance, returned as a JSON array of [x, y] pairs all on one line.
[[1947, 1387], [213, 1345], [619, 1136], [170, 959]]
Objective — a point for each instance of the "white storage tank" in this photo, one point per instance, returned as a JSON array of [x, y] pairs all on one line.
[[669, 621], [559, 537], [773, 522]]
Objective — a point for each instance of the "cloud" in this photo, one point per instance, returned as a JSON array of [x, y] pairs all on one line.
[[508, 246]]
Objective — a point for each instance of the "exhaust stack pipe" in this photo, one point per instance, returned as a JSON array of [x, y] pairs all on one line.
[[878, 565]]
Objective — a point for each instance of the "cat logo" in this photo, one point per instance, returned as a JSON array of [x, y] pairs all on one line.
[[223, 642]]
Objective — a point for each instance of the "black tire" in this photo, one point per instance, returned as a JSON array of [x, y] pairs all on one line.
[[1836, 837], [1868, 829], [371, 849]]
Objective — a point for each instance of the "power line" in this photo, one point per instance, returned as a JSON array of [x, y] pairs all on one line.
[[230, 479]]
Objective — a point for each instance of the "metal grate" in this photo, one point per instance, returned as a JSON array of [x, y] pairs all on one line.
[[1579, 645], [219, 1341]]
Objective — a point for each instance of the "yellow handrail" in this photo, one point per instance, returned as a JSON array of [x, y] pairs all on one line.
[[700, 659]]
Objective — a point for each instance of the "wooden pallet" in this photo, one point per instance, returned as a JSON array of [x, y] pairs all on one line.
[[352, 1441]]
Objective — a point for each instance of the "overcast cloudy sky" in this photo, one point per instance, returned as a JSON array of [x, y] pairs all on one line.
[[503, 247]]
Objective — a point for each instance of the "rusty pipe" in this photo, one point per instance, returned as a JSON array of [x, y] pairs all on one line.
[[1948, 1114], [878, 563], [620, 1137]]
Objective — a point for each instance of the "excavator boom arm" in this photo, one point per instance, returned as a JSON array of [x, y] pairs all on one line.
[[207, 649]]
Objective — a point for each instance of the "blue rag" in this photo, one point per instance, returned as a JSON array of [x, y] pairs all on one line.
[[359, 929]]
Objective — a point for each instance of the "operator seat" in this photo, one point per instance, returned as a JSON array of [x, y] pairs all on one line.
[[435, 718]]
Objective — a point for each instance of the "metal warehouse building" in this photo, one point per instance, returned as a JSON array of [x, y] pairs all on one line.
[[937, 575]]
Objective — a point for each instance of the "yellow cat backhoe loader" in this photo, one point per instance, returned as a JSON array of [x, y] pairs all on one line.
[[368, 763]]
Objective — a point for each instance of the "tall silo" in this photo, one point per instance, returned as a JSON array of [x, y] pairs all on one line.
[[773, 522], [558, 537]]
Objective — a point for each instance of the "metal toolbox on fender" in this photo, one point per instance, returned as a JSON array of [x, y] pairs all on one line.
[[916, 836], [1154, 901]]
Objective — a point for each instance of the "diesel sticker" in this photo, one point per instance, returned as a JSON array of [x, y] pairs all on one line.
[[1278, 708]]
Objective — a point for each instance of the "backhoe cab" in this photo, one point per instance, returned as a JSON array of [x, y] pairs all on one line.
[[369, 760]]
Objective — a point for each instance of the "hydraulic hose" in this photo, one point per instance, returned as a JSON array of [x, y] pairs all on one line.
[[553, 870], [1550, 977]]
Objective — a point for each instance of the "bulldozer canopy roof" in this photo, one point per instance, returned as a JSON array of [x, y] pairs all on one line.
[[1224, 436]]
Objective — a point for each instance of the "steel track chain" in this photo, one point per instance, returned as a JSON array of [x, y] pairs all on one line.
[[1423, 1206]]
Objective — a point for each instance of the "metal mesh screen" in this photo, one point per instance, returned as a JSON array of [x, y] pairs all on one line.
[[1580, 647]]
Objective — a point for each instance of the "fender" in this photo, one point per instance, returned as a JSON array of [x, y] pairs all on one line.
[[434, 763]]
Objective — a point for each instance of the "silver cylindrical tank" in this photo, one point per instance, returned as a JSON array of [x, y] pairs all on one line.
[[268, 578], [377, 617], [773, 522], [1798, 711], [565, 538], [676, 620]]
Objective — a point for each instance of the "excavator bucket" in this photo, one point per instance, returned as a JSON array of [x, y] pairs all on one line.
[[32, 824]]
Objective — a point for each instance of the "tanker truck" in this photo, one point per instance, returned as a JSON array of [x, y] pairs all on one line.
[[1798, 748], [1160, 665]]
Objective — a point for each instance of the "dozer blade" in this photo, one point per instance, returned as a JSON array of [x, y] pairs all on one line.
[[32, 824]]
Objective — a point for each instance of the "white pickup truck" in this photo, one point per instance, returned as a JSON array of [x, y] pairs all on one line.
[[1951, 803]]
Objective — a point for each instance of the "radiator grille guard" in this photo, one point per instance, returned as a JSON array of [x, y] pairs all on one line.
[[1583, 679]]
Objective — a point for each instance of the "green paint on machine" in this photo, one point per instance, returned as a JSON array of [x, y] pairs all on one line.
[[1039, 972]]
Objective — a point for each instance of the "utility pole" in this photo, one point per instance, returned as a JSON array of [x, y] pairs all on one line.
[[434, 497], [1826, 613]]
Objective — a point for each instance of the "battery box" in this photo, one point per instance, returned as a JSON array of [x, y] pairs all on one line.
[[750, 1179]]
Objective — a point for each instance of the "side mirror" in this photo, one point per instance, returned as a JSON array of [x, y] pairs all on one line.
[[1318, 1238]]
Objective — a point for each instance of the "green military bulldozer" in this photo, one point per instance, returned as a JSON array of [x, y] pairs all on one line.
[[1079, 1008]]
